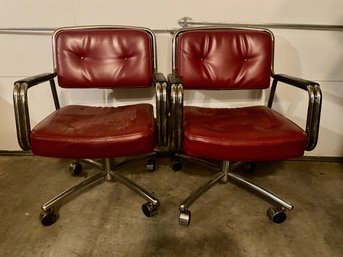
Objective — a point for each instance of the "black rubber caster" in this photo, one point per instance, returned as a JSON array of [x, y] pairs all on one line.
[[149, 209], [277, 215], [177, 165], [48, 217], [151, 165], [75, 168], [185, 218]]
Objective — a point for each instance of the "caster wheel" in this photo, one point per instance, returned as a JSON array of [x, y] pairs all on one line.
[[151, 164], [75, 168], [250, 167], [48, 217], [177, 166], [149, 209], [185, 218], [277, 215]]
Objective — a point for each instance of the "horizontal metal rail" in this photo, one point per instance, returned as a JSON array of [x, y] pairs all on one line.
[[187, 21], [50, 31]]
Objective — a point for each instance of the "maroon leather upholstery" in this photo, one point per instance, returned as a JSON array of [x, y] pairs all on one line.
[[95, 132], [224, 59], [103, 58], [241, 134], [99, 58], [217, 58]]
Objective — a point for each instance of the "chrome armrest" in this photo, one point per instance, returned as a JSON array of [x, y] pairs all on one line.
[[176, 113], [314, 104], [162, 108], [21, 110]]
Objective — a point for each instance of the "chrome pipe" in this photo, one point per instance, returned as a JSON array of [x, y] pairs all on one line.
[[187, 21], [272, 93], [165, 113], [203, 162], [200, 191], [159, 104], [316, 117], [235, 165], [310, 112], [73, 190], [172, 120], [135, 187], [50, 31], [260, 190], [22, 116], [54, 94], [225, 168], [107, 168], [132, 160], [92, 163], [179, 116]]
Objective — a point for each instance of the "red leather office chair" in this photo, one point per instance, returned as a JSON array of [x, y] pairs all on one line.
[[106, 58], [221, 58]]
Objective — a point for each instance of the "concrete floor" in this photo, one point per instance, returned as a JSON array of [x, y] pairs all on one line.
[[107, 220]]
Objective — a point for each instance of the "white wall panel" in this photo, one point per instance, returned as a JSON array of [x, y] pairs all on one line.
[[161, 14]]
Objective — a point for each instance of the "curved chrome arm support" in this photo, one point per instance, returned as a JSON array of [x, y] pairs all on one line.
[[314, 104], [316, 117], [161, 88], [176, 113], [21, 110], [22, 117]]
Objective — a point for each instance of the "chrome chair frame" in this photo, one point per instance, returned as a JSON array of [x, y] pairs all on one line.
[[225, 169], [108, 167]]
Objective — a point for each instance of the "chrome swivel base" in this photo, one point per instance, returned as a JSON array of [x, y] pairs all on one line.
[[49, 213], [277, 213]]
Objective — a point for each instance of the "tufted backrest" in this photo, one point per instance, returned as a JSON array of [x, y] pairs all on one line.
[[104, 57], [223, 58]]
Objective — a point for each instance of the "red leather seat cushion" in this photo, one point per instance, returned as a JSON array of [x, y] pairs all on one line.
[[241, 134], [95, 132]]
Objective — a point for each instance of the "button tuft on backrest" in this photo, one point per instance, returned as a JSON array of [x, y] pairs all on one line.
[[224, 58], [106, 55]]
